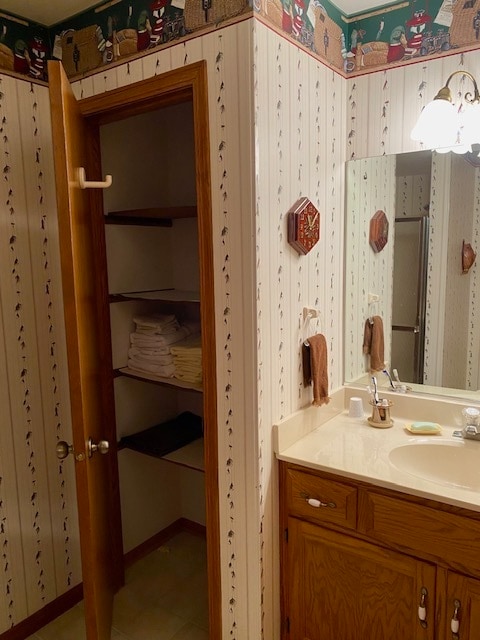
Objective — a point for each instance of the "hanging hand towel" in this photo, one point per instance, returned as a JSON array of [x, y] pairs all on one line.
[[319, 369], [373, 343]]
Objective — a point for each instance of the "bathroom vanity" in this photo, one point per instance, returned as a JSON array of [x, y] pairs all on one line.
[[371, 550]]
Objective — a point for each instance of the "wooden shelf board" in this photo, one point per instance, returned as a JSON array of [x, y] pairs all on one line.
[[161, 216], [150, 377], [162, 295], [139, 222], [190, 456]]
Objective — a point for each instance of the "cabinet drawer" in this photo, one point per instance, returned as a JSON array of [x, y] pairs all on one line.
[[331, 501], [450, 539]]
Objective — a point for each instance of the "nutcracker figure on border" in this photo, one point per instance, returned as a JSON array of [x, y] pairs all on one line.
[[417, 26]]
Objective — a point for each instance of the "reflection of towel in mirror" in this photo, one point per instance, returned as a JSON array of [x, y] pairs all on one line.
[[319, 369], [373, 343]]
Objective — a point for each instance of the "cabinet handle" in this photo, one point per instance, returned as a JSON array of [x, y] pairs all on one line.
[[313, 502], [422, 608], [455, 622]]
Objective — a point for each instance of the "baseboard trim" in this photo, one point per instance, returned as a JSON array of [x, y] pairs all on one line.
[[40, 618], [143, 549], [67, 600]]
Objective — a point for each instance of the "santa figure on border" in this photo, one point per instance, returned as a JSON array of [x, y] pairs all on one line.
[[158, 9], [38, 59]]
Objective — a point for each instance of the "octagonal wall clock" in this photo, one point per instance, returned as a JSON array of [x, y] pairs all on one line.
[[303, 226], [378, 231]]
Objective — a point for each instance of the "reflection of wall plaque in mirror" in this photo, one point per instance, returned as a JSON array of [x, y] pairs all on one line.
[[303, 226], [468, 256], [378, 231]]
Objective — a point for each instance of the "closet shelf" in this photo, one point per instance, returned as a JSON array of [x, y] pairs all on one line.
[[179, 440], [159, 216], [150, 377], [190, 456], [162, 295]]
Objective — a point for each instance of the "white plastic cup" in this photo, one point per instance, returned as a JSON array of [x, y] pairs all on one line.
[[356, 408]]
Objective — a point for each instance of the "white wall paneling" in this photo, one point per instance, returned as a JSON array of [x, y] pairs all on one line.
[[299, 133]]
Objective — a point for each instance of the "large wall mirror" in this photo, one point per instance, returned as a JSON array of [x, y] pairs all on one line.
[[416, 282]]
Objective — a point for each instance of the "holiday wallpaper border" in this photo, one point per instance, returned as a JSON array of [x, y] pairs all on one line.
[[386, 36], [395, 33]]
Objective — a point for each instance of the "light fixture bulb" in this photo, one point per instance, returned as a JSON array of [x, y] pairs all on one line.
[[437, 126]]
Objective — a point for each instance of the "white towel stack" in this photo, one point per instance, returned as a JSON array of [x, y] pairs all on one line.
[[187, 359], [158, 324], [150, 343]]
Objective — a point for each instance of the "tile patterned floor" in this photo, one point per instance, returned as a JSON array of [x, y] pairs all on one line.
[[164, 598]]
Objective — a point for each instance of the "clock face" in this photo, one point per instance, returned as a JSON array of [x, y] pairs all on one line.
[[303, 226]]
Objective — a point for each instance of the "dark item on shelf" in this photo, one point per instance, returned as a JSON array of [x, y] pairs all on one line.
[[166, 437]]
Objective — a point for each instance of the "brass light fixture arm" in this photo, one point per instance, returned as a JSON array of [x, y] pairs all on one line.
[[446, 94]]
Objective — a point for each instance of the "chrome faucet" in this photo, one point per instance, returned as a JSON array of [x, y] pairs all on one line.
[[469, 432], [471, 429]]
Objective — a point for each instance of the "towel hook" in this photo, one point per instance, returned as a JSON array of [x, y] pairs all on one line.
[[83, 183], [310, 314], [372, 300]]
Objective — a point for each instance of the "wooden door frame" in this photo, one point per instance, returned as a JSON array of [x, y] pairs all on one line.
[[190, 84]]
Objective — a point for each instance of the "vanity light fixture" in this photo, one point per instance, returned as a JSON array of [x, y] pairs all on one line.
[[445, 126]]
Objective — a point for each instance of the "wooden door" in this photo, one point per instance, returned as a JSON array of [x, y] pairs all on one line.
[[84, 350], [341, 587], [462, 612]]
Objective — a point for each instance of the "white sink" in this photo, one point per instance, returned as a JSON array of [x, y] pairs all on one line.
[[448, 462]]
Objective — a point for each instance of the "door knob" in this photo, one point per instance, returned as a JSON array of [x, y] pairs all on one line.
[[63, 449], [102, 447]]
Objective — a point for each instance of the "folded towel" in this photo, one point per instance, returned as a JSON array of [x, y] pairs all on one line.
[[373, 343], [188, 376], [165, 371], [168, 436], [147, 345], [144, 355], [156, 323], [188, 368], [319, 369], [154, 341], [190, 347]]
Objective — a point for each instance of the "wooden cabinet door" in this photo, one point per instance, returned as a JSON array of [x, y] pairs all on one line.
[[84, 351], [343, 588], [463, 603]]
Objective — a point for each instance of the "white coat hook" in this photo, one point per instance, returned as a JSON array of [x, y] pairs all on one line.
[[85, 184]]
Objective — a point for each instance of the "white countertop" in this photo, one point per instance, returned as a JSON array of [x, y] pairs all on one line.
[[352, 448]]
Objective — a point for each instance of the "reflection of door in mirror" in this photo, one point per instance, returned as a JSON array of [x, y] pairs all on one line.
[[408, 310]]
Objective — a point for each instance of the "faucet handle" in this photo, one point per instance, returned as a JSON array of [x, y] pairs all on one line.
[[472, 430]]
